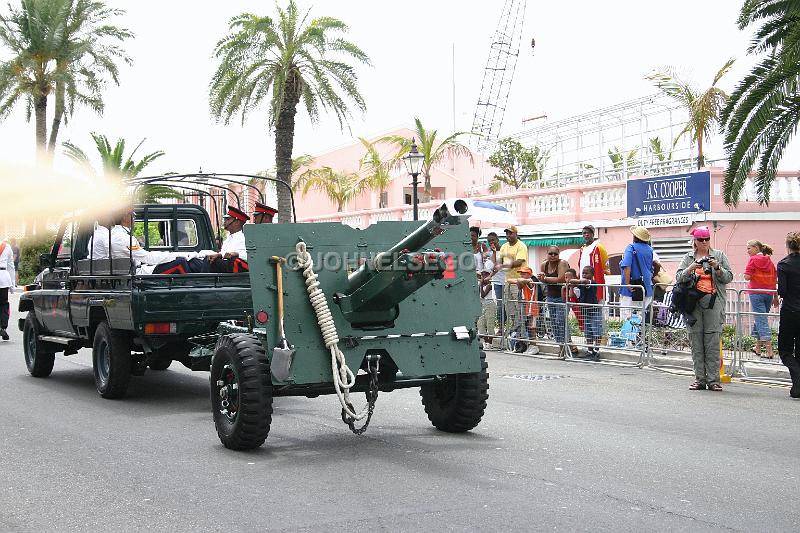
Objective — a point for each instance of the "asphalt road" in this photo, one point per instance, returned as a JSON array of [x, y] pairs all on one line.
[[583, 448]]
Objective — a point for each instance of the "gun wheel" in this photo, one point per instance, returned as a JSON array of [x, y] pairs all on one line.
[[456, 402], [241, 392]]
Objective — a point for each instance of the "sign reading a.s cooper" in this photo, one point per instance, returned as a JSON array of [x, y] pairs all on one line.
[[669, 195]]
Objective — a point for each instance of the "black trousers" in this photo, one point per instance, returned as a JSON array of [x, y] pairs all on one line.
[[4, 308], [182, 266], [229, 266], [177, 266], [789, 342]]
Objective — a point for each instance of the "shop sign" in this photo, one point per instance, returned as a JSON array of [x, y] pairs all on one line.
[[669, 195], [665, 221]]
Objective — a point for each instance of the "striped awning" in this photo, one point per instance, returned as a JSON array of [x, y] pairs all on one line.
[[553, 240]]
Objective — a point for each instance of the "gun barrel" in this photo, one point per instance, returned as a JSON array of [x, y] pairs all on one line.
[[448, 214]]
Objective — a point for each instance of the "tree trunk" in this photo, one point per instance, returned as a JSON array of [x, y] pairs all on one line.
[[700, 159], [284, 143], [40, 112], [426, 191], [58, 114]]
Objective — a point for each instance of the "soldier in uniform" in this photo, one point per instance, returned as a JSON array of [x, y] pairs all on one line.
[[263, 214], [232, 257], [8, 278]]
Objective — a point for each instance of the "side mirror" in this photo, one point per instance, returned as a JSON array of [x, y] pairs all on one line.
[[44, 261]]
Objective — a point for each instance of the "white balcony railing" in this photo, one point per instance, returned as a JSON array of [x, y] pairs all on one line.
[[603, 200], [784, 189]]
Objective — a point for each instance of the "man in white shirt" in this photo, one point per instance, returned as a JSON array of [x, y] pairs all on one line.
[[124, 245], [98, 242], [232, 257]]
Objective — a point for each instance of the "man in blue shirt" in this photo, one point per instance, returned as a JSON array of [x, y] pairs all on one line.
[[637, 269]]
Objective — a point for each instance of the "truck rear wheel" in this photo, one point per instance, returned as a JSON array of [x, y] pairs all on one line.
[[111, 360], [456, 403], [241, 392], [38, 358]]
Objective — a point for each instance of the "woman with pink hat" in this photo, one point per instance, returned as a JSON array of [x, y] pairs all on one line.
[[708, 271]]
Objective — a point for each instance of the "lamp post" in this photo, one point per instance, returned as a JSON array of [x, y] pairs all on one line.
[[413, 163]]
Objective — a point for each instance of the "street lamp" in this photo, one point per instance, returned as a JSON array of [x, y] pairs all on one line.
[[413, 163]]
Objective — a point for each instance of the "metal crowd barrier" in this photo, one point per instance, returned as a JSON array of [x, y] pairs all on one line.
[[642, 336], [569, 329]]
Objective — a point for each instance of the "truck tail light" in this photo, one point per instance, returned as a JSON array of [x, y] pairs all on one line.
[[160, 328]]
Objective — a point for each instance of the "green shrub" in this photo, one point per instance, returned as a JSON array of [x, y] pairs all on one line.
[[29, 251]]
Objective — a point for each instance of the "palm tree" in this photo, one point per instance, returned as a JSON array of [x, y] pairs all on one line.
[[63, 48], [339, 187], [117, 166], [704, 107], [658, 150], [623, 159], [291, 58], [763, 111], [433, 151], [377, 171], [297, 163]]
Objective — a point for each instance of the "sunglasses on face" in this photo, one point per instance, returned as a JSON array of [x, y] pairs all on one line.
[[552, 253], [704, 239]]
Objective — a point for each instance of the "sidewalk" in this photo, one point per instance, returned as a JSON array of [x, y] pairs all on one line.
[[770, 371]]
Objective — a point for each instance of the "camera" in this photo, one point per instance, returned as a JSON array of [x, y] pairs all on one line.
[[704, 262]]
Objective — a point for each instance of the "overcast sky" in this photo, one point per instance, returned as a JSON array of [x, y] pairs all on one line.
[[588, 54]]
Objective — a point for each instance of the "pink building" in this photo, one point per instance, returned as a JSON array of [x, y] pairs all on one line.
[[450, 178]]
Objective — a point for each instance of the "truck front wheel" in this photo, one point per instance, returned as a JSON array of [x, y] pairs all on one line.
[[38, 358], [241, 392], [456, 402], [111, 360]]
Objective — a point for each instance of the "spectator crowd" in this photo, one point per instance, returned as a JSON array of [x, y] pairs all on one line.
[[522, 302]]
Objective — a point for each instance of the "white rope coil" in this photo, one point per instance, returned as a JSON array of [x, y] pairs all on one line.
[[343, 377]]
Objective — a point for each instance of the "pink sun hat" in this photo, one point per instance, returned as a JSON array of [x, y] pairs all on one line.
[[701, 232]]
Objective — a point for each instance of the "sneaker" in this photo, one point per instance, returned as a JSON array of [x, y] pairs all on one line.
[[532, 350], [3, 334]]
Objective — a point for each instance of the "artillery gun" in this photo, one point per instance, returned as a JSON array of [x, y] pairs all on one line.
[[338, 310]]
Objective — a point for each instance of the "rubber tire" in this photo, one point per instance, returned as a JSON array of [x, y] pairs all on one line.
[[465, 401], [40, 362], [249, 362], [160, 364], [119, 367]]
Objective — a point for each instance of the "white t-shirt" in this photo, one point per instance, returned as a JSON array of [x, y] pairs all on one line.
[[586, 257]]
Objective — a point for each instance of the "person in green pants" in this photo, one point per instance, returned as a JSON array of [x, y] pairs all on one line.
[[709, 272]]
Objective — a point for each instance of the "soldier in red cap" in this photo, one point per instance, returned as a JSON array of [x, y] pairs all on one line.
[[232, 257], [263, 214]]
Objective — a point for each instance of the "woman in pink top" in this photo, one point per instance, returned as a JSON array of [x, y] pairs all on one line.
[[761, 274]]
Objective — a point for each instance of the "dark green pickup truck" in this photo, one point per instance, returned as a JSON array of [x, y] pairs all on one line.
[[130, 321]]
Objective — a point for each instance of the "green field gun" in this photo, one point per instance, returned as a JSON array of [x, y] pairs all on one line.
[[369, 310]]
